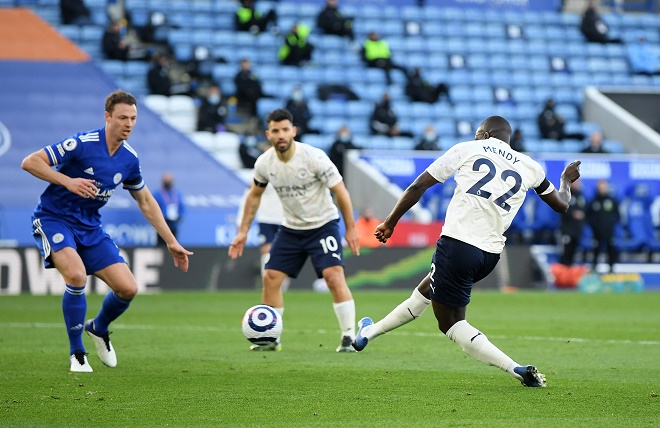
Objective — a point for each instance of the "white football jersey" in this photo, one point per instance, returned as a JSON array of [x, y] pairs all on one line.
[[302, 184], [492, 181]]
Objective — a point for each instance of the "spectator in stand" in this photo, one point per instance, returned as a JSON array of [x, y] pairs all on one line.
[[170, 201], [551, 124], [572, 224], [331, 21], [247, 18], [248, 88], [158, 79], [377, 54], [603, 217], [342, 143], [517, 142], [250, 148], [298, 107], [419, 89], [643, 57], [595, 143], [365, 225], [429, 140], [384, 121], [114, 45], [75, 12], [296, 49], [594, 28], [212, 111]]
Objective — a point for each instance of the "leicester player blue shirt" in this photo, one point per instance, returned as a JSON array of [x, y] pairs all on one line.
[[86, 155]]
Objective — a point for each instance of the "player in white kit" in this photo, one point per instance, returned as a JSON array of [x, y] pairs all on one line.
[[303, 177], [492, 181]]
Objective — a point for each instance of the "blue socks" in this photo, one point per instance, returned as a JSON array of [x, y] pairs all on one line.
[[74, 308], [113, 306]]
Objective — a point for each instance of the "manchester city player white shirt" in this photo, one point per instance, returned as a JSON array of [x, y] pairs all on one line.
[[492, 181], [86, 155], [302, 184]]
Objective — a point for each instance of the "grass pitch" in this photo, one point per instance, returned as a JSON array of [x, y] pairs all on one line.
[[183, 362]]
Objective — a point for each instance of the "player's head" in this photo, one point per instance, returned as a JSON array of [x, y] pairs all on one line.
[[120, 115], [280, 130], [496, 127]]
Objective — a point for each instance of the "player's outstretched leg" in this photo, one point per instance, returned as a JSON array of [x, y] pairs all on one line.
[[408, 310], [477, 345], [103, 346], [79, 363]]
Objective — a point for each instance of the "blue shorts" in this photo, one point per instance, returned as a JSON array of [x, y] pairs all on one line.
[[95, 247], [267, 232], [456, 267], [291, 247]]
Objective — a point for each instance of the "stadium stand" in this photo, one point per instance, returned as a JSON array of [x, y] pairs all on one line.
[[475, 60]]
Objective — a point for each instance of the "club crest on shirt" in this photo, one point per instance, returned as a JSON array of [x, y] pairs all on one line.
[[70, 144], [303, 173], [57, 238], [117, 178]]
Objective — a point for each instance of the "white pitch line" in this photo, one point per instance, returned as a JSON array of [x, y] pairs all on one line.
[[10, 325]]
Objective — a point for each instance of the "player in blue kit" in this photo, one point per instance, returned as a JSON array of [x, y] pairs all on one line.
[[303, 177], [492, 181], [83, 172]]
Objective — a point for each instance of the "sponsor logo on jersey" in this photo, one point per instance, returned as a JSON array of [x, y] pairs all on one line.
[[89, 171], [117, 178], [57, 238], [70, 144]]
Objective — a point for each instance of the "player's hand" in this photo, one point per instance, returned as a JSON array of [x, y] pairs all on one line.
[[353, 241], [383, 232], [237, 245], [572, 171], [83, 187], [180, 256]]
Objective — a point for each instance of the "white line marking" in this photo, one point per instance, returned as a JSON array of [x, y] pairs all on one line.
[[9, 325]]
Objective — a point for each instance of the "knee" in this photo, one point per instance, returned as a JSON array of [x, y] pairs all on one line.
[[127, 293], [335, 279], [76, 278]]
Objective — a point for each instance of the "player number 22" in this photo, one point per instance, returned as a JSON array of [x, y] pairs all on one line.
[[477, 190]]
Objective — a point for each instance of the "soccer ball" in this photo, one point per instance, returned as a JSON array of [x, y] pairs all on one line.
[[262, 324]]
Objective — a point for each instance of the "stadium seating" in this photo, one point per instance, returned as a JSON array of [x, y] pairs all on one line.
[[475, 60]]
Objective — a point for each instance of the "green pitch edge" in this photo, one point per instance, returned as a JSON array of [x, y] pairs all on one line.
[[404, 269]]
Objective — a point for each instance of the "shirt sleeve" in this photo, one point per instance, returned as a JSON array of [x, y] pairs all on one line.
[[135, 181], [65, 151], [327, 171], [446, 165], [260, 172]]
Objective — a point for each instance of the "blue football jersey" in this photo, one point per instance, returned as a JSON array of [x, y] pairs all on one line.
[[86, 155]]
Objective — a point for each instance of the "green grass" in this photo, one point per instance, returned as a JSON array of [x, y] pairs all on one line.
[[183, 362]]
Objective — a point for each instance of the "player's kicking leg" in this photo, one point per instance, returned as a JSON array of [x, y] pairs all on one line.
[[409, 310]]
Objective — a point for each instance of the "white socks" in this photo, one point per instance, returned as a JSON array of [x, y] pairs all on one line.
[[345, 312], [477, 345], [409, 310]]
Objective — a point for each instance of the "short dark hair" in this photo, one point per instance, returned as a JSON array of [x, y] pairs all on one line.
[[279, 115], [497, 127], [119, 97]]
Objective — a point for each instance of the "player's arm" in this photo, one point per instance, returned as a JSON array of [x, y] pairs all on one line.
[[39, 165], [252, 201], [408, 199], [346, 207], [559, 200], [152, 212]]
